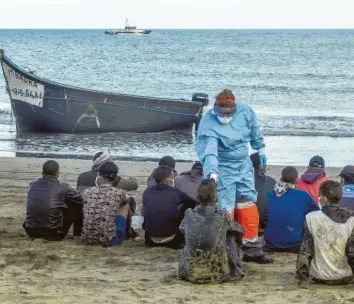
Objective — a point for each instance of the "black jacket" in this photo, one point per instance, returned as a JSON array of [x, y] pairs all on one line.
[[263, 184], [45, 200], [88, 180], [163, 209]]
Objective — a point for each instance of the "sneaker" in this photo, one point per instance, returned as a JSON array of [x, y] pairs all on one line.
[[264, 259]]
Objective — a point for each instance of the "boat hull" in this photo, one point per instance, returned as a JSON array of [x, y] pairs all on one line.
[[40, 105]]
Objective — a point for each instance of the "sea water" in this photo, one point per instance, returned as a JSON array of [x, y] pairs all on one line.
[[299, 82]]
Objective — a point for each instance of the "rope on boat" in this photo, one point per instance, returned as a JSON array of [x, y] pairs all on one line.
[[122, 105]]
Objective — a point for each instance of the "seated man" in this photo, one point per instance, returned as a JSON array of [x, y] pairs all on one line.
[[189, 181], [263, 184], [312, 179], [163, 210], [52, 206], [211, 253], [164, 161], [327, 250], [106, 210], [347, 181], [89, 179], [287, 208]]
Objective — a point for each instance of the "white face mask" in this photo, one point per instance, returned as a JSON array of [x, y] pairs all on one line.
[[224, 120]]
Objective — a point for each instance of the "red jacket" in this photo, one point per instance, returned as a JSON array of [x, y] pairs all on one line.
[[311, 181]]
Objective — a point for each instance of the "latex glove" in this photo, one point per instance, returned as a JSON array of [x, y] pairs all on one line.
[[262, 158], [214, 177]]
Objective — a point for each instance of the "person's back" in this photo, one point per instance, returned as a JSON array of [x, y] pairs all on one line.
[[52, 206], [189, 181], [103, 209], [89, 179], [263, 183], [347, 180], [205, 257], [287, 208], [45, 200], [313, 178], [163, 209], [327, 250]]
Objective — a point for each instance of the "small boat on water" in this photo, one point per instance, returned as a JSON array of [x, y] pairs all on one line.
[[41, 105], [129, 29]]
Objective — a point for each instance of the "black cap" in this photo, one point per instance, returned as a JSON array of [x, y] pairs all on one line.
[[347, 171], [197, 165], [108, 170], [317, 162]]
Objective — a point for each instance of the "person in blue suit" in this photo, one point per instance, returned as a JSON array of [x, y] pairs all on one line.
[[223, 140]]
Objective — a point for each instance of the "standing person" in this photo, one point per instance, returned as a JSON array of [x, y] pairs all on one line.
[[287, 208], [312, 179], [210, 255], [224, 135], [263, 184], [347, 181], [106, 210], [52, 206], [163, 210], [164, 161], [327, 250], [89, 179], [188, 182]]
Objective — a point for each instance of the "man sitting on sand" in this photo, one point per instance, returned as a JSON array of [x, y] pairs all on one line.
[[327, 250], [263, 184], [287, 208], [52, 206], [189, 181], [211, 253], [312, 179], [164, 161], [163, 210], [89, 179], [347, 181], [106, 210]]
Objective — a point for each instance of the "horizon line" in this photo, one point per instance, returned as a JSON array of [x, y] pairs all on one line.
[[189, 29]]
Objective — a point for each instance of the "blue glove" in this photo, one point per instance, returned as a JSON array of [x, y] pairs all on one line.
[[262, 161]]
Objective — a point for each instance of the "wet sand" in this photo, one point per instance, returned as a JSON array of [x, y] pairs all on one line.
[[63, 272]]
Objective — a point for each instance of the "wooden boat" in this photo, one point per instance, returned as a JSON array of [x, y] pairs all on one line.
[[41, 105]]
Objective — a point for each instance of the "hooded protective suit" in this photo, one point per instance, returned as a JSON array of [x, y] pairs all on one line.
[[224, 149]]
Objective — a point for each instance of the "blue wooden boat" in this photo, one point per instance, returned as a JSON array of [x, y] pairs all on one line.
[[41, 105]]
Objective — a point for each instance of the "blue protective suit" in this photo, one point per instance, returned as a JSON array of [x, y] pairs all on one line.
[[224, 149]]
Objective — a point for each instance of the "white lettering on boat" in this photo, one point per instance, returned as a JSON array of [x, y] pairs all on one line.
[[23, 89]]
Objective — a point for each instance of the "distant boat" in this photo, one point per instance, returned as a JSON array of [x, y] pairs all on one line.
[[41, 105], [129, 29]]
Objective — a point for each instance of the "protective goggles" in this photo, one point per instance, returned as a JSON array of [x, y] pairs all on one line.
[[225, 112]]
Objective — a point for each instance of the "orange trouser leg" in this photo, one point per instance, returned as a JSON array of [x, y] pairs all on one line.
[[248, 218]]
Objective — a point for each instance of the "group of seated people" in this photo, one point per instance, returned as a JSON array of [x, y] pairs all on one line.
[[310, 216]]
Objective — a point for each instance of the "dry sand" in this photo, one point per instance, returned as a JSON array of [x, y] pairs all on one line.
[[44, 272]]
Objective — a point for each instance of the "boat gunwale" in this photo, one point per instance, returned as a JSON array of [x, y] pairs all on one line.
[[42, 80]]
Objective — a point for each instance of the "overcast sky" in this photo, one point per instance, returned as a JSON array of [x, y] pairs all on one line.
[[182, 14]]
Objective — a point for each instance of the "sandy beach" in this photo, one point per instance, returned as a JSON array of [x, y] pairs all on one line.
[[63, 272]]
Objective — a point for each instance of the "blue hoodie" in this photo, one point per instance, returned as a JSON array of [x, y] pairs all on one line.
[[286, 216], [347, 200]]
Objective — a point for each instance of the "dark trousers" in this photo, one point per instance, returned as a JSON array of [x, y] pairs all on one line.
[[176, 243], [71, 216], [233, 254]]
